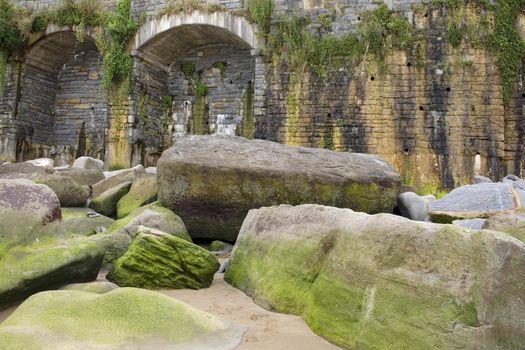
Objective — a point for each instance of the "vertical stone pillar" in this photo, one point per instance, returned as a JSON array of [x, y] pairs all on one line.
[[259, 96]]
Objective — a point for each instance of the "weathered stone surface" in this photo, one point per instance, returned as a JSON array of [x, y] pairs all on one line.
[[43, 162], [473, 224], [412, 206], [151, 170], [475, 201], [86, 177], [84, 221], [159, 260], [212, 181], [510, 223], [46, 263], [125, 318], [383, 281], [481, 179], [154, 216], [143, 191], [25, 206], [98, 287], [118, 177], [88, 163], [106, 202], [23, 170], [69, 192]]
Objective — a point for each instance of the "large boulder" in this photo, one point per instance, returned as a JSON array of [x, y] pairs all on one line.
[[153, 216], [85, 177], [88, 163], [106, 202], [24, 170], [212, 181], [69, 192], [475, 201], [510, 223], [125, 318], [46, 263], [25, 206], [117, 178], [159, 260], [143, 191], [84, 221], [383, 281]]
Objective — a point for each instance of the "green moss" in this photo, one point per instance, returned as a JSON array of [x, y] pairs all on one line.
[[122, 318], [246, 126], [201, 89], [219, 246], [98, 287], [47, 263], [143, 191], [159, 260], [199, 115], [364, 300], [106, 203]]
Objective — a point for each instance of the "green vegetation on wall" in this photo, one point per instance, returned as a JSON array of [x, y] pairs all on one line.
[[380, 32], [115, 30]]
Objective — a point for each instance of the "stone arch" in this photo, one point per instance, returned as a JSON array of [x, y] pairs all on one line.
[[62, 109], [222, 49], [220, 26]]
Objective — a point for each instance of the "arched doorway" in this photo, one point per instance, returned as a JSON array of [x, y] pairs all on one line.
[[193, 73], [62, 111]]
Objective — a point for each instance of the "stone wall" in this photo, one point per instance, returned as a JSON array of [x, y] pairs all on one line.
[[432, 114], [227, 72], [80, 108]]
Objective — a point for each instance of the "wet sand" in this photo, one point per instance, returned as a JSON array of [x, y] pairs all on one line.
[[267, 330]]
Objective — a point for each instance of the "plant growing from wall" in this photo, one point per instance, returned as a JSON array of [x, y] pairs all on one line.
[[118, 63], [201, 89], [10, 37], [260, 12]]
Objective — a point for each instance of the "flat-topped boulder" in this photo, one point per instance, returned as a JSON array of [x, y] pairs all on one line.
[[212, 181], [88, 163], [124, 318], [475, 201], [383, 281]]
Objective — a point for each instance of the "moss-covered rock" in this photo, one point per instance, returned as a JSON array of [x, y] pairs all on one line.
[[212, 181], [24, 207], [45, 263], [69, 192], [510, 223], [143, 191], [84, 221], [220, 247], [158, 260], [98, 287], [382, 281], [125, 318], [121, 232], [106, 203]]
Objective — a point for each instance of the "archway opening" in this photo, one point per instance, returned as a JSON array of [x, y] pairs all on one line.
[[191, 79], [63, 109]]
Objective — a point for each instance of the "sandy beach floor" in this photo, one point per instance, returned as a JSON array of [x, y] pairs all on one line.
[[267, 330]]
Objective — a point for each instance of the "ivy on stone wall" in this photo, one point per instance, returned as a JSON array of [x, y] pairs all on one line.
[[381, 31], [501, 37]]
